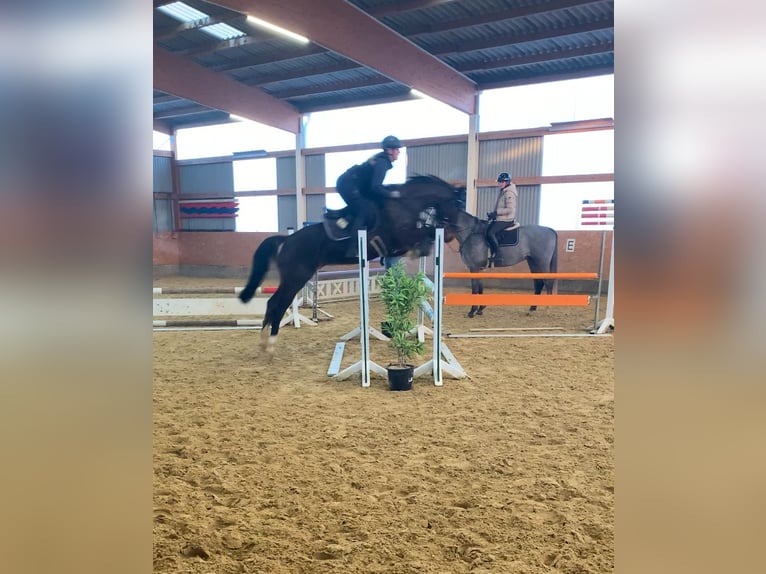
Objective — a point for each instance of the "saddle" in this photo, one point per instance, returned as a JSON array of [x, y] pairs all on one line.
[[337, 224], [508, 237]]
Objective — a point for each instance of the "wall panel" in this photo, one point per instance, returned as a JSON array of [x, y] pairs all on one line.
[[163, 180], [447, 161], [206, 178]]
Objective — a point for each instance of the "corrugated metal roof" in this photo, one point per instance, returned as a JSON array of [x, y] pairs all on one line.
[[491, 42]]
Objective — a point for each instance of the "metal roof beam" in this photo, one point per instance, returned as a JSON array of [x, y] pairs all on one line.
[[543, 78], [492, 17], [180, 112], [404, 6], [344, 28], [251, 37], [372, 101], [605, 24], [326, 88], [536, 58], [282, 55], [164, 99], [263, 79], [187, 79]]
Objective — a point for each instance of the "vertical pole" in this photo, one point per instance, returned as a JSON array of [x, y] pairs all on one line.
[[176, 224], [438, 295], [610, 291], [472, 166], [600, 279], [608, 320], [300, 172], [364, 306], [314, 295], [421, 269], [609, 315]]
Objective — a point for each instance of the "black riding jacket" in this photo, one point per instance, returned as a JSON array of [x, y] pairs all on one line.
[[369, 175]]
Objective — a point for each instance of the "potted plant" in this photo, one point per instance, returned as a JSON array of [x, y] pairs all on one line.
[[402, 294]]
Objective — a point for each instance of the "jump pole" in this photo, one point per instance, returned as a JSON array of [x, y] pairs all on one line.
[[608, 320], [183, 313], [436, 364], [424, 310], [364, 365]]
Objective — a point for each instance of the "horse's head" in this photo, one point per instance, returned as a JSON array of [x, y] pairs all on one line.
[[429, 191]]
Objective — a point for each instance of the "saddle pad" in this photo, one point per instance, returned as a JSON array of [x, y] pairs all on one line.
[[509, 237]]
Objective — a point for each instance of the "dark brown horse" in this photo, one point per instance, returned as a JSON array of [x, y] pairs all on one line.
[[404, 225]]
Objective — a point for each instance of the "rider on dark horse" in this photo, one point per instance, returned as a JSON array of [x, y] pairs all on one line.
[[504, 215], [361, 187]]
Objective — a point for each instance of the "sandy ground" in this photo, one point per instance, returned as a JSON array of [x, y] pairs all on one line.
[[275, 468]]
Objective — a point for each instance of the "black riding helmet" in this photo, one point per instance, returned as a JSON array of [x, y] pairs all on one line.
[[390, 142], [504, 177]]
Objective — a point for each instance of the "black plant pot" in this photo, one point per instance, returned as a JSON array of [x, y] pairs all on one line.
[[400, 378]]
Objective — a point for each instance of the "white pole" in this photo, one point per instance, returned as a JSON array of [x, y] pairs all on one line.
[[438, 296], [608, 320], [364, 364], [364, 305], [600, 279]]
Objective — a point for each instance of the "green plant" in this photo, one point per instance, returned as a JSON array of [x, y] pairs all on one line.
[[402, 294]]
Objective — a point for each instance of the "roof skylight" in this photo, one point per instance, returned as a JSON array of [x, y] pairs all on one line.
[[185, 13]]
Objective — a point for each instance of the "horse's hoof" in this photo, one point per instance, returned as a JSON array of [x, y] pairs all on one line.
[[480, 312], [267, 345], [470, 314]]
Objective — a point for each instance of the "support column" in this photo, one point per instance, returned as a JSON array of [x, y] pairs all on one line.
[[472, 171], [175, 185], [300, 173]]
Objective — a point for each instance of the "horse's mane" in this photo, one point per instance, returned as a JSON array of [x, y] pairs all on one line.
[[426, 179]]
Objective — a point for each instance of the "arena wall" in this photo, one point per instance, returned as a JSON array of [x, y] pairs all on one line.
[[229, 254]]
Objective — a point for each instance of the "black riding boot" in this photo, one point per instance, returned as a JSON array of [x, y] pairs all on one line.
[[492, 242]]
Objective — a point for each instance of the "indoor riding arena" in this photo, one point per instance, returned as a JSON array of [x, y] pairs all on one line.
[[266, 462], [272, 466]]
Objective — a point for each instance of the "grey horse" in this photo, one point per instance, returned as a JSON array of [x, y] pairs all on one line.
[[537, 244]]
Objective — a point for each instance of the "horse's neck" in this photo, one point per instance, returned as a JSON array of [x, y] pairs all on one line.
[[467, 225]]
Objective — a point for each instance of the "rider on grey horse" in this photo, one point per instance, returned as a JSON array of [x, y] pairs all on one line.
[[504, 215]]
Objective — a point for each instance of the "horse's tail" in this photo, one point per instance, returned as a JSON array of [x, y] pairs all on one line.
[[262, 258]]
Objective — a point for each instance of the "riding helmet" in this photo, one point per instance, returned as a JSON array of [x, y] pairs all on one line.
[[504, 177], [390, 142]]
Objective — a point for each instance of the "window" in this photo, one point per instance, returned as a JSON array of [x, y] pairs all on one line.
[[161, 141], [578, 153], [538, 105], [561, 204], [255, 174], [411, 119], [225, 139], [258, 213]]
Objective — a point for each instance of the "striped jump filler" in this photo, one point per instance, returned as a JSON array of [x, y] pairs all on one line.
[[597, 212]]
